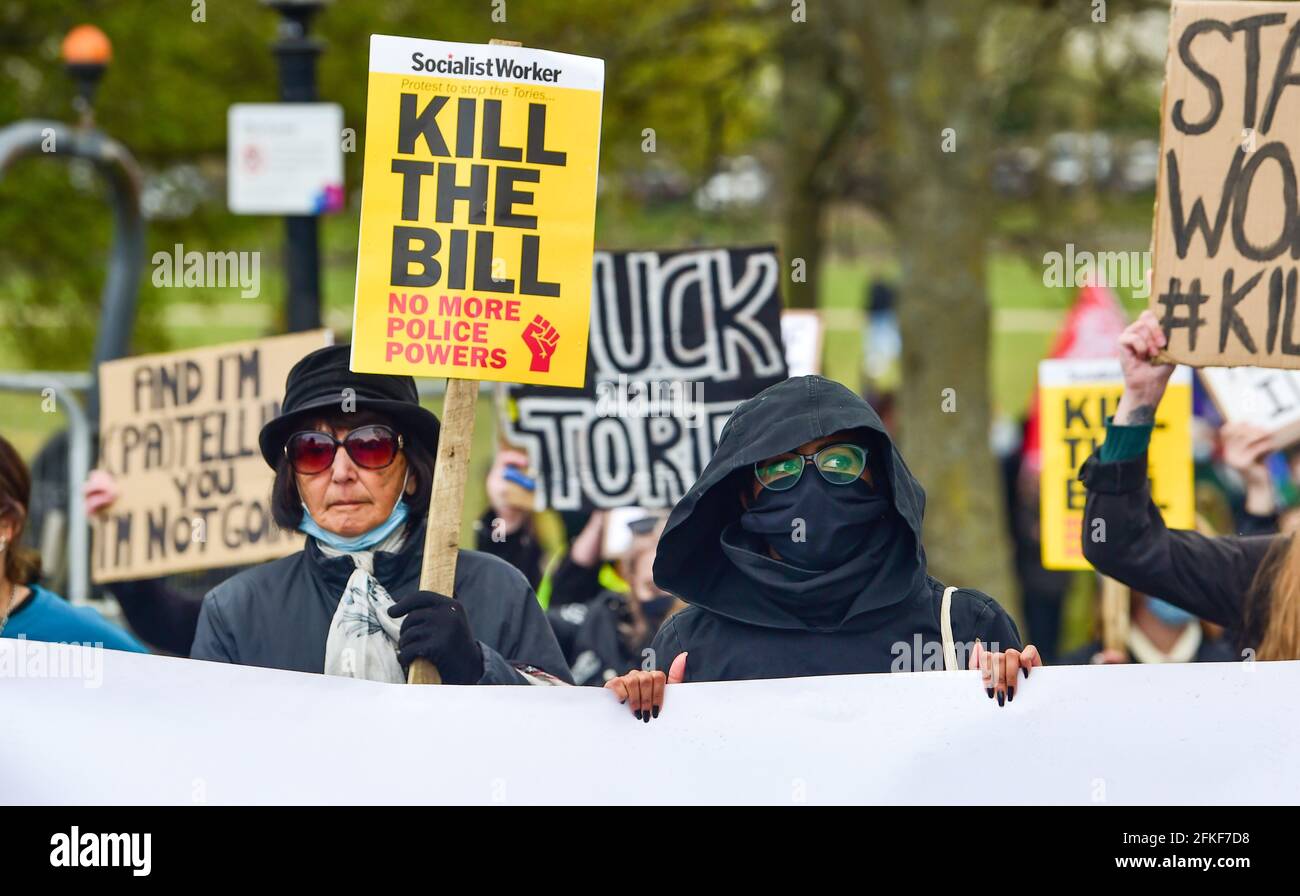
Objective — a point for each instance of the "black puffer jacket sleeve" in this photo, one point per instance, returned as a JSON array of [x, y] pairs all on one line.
[[213, 639], [1125, 538], [520, 548], [163, 616], [524, 640]]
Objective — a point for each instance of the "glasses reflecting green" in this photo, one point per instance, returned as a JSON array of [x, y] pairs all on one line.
[[839, 464]]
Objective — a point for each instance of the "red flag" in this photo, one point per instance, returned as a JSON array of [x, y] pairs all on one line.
[[1091, 330]]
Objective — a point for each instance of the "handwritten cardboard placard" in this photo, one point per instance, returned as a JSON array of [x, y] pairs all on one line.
[[1227, 223], [179, 434], [1263, 396]]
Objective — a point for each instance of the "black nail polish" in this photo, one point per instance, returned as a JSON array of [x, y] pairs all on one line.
[[1026, 671], [1011, 694], [645, 716], [637, 713], [989, 691], [655, 712], [1001, 699]]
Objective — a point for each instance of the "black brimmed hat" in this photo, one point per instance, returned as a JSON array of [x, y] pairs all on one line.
[[315, 387]]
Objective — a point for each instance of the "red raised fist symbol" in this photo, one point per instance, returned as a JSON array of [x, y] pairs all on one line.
[[540, 337]]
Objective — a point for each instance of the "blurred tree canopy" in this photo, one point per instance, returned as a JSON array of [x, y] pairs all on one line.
[[685, 70], [705, 80]]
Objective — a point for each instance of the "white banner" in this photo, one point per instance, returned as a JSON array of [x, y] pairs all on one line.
[[87, 726]]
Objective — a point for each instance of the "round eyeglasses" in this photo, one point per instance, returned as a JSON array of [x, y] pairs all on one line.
[[839, 464], [371, 447]]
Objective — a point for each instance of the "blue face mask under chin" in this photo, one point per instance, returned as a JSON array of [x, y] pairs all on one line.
[[1168, 613], [366, 540]]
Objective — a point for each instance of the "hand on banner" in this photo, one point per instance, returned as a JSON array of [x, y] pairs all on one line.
[[1144, 381], [100, 491], [436, 628], [541, 337], [1002, 668], [644, 691]]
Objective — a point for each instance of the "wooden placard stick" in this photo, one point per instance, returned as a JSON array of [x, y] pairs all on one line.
[[447, 496], [1114, 614]]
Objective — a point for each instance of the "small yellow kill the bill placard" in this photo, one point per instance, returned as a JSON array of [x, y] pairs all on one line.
[[1074, 400], [478, 212]]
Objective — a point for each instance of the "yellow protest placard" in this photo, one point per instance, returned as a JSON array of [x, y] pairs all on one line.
[[1074, 400], [478, 212]]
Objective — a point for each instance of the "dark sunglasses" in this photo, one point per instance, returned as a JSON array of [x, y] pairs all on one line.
[[839, 464], [371, 447]]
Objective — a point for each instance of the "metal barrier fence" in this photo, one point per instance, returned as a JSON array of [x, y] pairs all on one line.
[[64, 386]]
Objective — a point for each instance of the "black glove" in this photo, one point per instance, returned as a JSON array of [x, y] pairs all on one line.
[[437, 629]]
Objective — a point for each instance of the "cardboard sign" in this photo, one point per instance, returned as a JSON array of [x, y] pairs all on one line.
[[1074, 400], [477, 212], [177, 731], [179, 434], [1227, 224], [678, 339], [284, 158], [802, 331], [1258, 395]]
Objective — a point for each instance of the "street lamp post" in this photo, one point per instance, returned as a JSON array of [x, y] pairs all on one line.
[[296, 53]]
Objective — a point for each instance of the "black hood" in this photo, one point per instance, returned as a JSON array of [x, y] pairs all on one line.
[[690, 562]]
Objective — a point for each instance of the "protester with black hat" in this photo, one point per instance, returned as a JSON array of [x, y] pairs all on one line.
[[353, 455], [799, 552]]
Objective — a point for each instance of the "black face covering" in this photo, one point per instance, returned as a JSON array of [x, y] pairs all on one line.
[[817, 525]]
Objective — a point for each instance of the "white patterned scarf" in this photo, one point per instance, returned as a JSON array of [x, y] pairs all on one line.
[[362, 640]]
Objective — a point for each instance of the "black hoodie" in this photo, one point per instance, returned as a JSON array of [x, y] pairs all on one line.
[[734, 630]]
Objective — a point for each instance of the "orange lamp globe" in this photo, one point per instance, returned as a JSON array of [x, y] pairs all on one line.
[[87, 45]]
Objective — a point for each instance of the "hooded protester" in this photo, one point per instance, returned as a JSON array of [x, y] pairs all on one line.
[[799, 552], [353, 456]]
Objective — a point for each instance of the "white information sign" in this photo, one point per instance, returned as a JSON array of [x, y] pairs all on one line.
[[284, 158]]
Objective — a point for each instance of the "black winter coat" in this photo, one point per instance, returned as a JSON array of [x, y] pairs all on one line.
[[1213, 577], [278, 614]]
